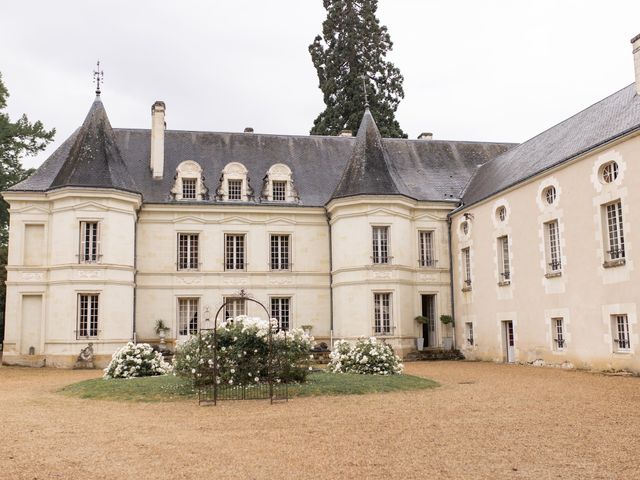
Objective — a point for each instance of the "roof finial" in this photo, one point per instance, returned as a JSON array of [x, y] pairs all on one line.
[[98, 76], [364, 87]]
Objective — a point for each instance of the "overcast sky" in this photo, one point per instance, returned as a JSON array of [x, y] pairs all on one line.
[[474, 70]]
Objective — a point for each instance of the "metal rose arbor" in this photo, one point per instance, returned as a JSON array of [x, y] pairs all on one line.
[[271, 383]]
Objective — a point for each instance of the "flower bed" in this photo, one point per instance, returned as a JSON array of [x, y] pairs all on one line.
[[243, 354], [136, 360], [366, 356]]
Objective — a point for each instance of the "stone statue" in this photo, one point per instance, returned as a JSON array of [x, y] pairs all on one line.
[[85, 359]]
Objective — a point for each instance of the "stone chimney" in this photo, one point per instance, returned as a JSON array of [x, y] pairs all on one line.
[[346, 133], [425, 136], [248, 130], [635, 42], [158, 127]]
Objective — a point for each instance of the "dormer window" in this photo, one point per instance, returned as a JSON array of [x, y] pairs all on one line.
[[278, 185], [235, 189], [234, 184], [189, 188], [189, 182], [279, 189]]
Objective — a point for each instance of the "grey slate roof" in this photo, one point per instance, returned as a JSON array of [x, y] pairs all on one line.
[[89, 158], [435, 170], [369, 170], [606, 120]]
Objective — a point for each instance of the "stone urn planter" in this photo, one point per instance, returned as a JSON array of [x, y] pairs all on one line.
[[161, 331]]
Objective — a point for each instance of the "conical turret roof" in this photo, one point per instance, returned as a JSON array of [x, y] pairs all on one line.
[[94, 159], [369, 171]]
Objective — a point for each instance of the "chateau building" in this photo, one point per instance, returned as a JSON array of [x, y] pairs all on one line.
[[530, 247]]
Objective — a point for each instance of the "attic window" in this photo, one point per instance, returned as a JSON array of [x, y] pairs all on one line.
[[188, 188], [234, 184], [189, 182], [501, 213], [550, 194], [609, 172], [278, 185], [235, 189]]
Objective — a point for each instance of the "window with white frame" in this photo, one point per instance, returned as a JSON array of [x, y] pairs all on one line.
[[279, 190], [380, 245], [552, 246], [621, 334], [609, 172], [503, 259], [550, 195], [281, 311], [382, 313], [188, 251], [615, 233], [468, 327], [189, 182], [559, 341], [87, 315], [234, 189], [188, 316], [234, 183], [89, 242], [189, 188], [426, 257], [234, 252], [466, 266], [280, 252], [234, 307]]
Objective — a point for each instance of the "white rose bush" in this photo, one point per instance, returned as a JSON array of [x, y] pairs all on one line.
[[136, 360], [366, 356], [243, 354]]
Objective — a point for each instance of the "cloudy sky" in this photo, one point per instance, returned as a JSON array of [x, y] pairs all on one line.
[[474, 70]]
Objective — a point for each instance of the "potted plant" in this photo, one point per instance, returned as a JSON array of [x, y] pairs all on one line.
[[161, 331], [422, 320], [446, 321]]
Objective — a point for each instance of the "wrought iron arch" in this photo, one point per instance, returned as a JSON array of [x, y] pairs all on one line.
[[209, 391]]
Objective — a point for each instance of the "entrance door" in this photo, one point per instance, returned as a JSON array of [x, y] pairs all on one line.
[[30, 324], [509, 343], [429, 328]]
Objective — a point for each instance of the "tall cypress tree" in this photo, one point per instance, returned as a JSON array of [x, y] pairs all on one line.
[[353, 44]]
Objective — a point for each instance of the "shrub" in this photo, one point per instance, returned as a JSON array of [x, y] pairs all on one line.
[[243, 354], [136, 360], [367, 356]]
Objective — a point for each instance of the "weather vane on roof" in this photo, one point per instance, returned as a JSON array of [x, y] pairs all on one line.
[[364, 87], [98, 76]]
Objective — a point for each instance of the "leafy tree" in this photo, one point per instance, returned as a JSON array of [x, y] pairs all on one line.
[[353, 46], [17, 140]]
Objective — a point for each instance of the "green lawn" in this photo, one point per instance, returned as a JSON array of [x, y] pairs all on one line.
[[170, 388]]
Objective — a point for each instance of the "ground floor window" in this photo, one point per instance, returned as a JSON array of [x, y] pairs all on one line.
[[468, 327], [621, 337], [281, 310], [557, 324], [382, 313], [87, 315], [234, 307], [188, 316]]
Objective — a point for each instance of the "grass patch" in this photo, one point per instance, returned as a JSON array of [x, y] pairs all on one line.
[[168, 388]]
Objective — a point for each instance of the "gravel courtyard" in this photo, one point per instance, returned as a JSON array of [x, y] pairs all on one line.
[[486, 421]]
